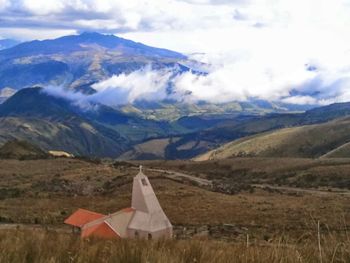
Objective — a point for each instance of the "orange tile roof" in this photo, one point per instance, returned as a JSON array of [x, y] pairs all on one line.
[[81, 217], [101, 230], [128, 210]]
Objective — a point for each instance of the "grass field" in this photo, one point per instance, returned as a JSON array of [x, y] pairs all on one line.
[[48, 246], [281, 225], [311, 141]]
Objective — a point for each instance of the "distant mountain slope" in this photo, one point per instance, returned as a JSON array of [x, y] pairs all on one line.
[[87, 41], [173, 110], [78, 61], [200, 142], [53, 124], [8, 43], [16, 149], [329, 139], [150, 150]]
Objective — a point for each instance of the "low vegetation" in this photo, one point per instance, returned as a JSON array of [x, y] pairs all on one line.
[[311, 141], [244, 172], [253, 222], [48, 246]]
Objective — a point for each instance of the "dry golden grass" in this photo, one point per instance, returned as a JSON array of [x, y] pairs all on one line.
[[301, 172], [310, 141], [280, 227], [48, 199], [43, 246]]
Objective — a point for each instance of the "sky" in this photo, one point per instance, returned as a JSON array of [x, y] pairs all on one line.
[[294, 51]]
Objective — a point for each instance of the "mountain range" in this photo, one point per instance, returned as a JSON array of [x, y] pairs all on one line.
[[201, 143], [164, 129], [55, 123]]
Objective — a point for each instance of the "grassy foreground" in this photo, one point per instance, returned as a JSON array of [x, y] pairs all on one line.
[[48, 246]]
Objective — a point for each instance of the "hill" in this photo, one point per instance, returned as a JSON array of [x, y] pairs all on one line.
[[312, 141], [55, 124], [221, 131], [16, 149], [8, 43]]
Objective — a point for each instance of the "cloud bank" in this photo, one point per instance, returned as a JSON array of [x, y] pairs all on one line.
[[221, 85], [293, 51]]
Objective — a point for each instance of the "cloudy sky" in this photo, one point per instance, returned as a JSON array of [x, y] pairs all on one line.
[[296, 51]]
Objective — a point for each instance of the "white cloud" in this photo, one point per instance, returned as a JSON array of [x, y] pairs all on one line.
[[3, 4], [43, 7], [143, 84], [257, 48], [300, 100]]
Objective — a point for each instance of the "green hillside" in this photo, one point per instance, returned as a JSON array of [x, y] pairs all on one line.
[[312, 141]]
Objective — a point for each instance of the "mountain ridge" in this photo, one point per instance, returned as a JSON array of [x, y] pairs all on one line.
[[324, 140], [77, 61]]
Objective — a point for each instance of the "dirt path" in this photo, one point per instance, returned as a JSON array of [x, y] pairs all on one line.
[[334, 150], [178, 175], [303, 190]]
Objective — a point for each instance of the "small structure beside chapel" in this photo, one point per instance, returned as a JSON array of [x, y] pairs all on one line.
[[144, 219]]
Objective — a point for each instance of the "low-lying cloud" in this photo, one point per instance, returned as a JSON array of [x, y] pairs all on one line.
[[238, 81]]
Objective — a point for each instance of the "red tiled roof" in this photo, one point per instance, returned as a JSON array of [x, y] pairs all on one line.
[[128, 210], [81, 217], [101, 230]]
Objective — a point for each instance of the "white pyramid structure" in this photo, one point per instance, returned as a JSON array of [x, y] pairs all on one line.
[[149, 219]]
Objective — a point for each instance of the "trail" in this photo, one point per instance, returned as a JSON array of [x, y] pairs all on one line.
[[303, 190], [334, 150], [178, 175]]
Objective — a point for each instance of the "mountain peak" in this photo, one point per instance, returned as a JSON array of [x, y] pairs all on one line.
[[74, 43]]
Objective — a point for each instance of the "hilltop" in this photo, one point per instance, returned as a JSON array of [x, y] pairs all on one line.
[[329, 139]]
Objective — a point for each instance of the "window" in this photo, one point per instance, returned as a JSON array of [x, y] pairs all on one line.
[[144, 182]]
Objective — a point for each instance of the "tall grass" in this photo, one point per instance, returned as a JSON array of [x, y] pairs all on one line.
[[41, 246]]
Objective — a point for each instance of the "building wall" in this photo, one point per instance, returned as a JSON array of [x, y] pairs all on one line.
[[164, 233]]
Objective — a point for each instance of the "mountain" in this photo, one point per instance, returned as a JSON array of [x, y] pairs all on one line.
[[8, 43], [78, 61], [88, 41], [55, 124], [174, 110], [331, 139], [196, 143], [16, 149]]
